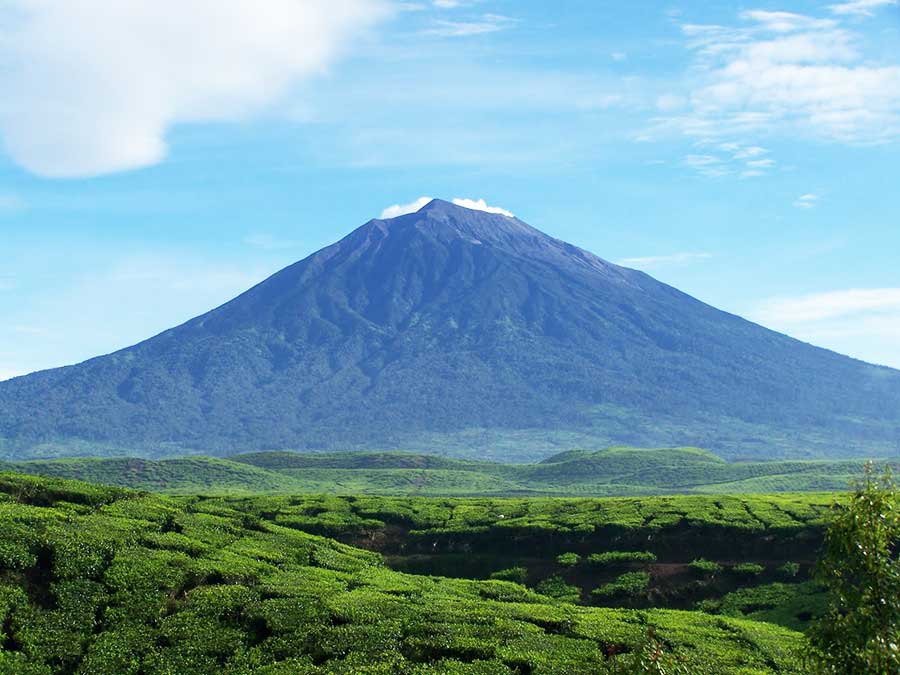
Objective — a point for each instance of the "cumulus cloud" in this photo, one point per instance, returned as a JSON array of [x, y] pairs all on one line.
[[481, 205], [402, 209], [92, 86], [655, 261]]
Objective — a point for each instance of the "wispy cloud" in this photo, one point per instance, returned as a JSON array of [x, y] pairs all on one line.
[[783, 72], [807, 201], [674, 259], [730, 158], [861, 7], [92, 87], [486, 23], [860, 322], [830, 305], [7, 283]]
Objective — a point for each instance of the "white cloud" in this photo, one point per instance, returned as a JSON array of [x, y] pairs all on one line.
[[652, 262], [831, 305], [860, 7], [402, 209], [729, 158], [864, 323], [806, 201], [7, 283], [447, 4], [481, 205], [619, 56], [487, 23], [781, 72], [92, 86]]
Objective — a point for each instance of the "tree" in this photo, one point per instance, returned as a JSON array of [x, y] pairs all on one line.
[[860, 632]]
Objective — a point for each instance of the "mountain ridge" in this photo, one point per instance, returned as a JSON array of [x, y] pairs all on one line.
[[465, 331]]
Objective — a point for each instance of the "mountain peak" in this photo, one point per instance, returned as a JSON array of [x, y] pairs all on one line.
[[454, 327]]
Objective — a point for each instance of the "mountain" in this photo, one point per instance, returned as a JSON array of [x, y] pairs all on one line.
[[463, 332]]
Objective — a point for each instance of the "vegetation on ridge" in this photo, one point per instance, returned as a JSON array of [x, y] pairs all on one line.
[[609, 472]]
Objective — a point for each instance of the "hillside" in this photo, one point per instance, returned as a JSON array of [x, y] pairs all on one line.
[[115, 582], [614, 471], [465, 333]]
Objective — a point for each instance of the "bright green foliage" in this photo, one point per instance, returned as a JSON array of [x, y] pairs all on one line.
[[748, 569], [568, 559], [620, 557], [860, 633], [703, 567], [628, 584], [99, 581]]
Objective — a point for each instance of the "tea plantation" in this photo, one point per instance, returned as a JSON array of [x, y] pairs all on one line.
[[101, 580]]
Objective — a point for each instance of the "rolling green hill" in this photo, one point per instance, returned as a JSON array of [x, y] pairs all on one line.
[[108, 581], [614, 471]]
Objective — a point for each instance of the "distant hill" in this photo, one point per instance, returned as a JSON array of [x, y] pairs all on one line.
[[463, 333], [614, 471]]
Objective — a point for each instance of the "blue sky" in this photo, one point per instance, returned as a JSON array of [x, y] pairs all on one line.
[[158, 158]]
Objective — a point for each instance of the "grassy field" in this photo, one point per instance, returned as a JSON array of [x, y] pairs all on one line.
[[610, 472], [107, 580]]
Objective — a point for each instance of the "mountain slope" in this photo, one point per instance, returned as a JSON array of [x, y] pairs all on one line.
[[450, 329]]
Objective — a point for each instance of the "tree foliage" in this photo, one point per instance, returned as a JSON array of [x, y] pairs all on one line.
[[860, 633]]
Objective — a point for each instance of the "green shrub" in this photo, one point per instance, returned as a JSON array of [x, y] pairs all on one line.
[[556, 587], [629, 584], [568, 559], [748, 569], [702, 567], [620, 557]]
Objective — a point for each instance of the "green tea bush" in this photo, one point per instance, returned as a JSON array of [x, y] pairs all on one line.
[[629, 584], [748, 569], [704, 568], [568, 559], [556, 587], [620, 557]]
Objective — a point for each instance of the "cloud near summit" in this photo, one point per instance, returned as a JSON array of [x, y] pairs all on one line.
[[92, 87], [397, 210]]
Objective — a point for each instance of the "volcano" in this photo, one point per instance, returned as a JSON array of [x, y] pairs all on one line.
[[462, 332]]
